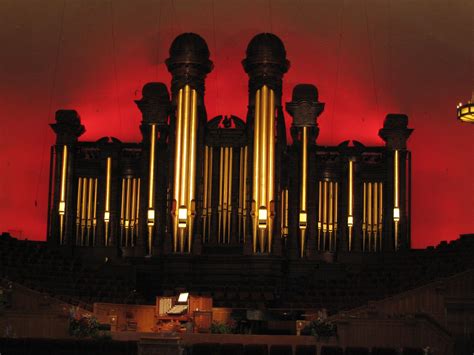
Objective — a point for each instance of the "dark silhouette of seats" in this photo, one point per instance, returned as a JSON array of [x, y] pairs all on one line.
[[205, 349], [256, 349], [384, 351], [231, 349], [281, 350], [412, 351], [306, 350], [331, 350], [356, 351]]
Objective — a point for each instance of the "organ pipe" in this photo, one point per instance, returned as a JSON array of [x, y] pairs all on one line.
[[78, 209], [396, 207], [151, 187], [129, 211], [107, 200], [185, 169], [320, 199], [244, 196], [62, 197], [350, 217], [304, 174], [372, 216]]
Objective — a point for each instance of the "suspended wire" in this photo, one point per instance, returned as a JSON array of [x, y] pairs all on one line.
[[114, 56], [51, 96], [338, 68], [216, 83], [372, 65], [158, 37]]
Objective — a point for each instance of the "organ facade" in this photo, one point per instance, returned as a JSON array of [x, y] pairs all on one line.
[[195, 185]]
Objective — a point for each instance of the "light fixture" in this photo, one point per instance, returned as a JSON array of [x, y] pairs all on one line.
[[262, 218], [182, 217], [303, 220], [465, 112]]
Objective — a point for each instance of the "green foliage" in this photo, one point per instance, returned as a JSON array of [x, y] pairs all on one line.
[[222, 328], [84, 327], [321, 329]]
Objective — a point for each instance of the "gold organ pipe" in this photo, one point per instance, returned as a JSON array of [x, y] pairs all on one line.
[[137, 210], [89, 207], [282, 213], [78, 208], [330, 210], [84, 209], [122, 211], [304, 174], [350, 218], [376, 215], [229, 195], [244, 196], [364, 217], [184, 155], [263, 160], [286, 210], [62, 197], [132, 212], [325, 201], [270, 171], [192, 166], [152, 167], [204, 197], [221, 183], [177, 168], [369, 215], [210, 192], [127, 212], [336, 188], [396, 207], [225, 189], [320, 199], [380, 214], [256, 169], [107, 200], [94, 212], [241, 187]]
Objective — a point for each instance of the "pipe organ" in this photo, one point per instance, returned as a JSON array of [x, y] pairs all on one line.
[[193, 185]]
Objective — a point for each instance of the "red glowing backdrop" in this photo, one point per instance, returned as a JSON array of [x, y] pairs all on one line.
[[367, 57]]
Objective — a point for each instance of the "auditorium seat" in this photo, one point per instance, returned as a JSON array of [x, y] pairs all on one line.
[[256, 349], [281, 350], [356, 351], [412, 351], [331, 350], [231, 349], [384, 351], [306, 350], [205, 349]]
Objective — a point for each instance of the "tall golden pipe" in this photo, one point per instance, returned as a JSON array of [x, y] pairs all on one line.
[[220, 205], [282, 213], [286, 210], [380, 214], [320, 199], [94, 212], [224, 197], [184, 183], [210, 192], [84, 209], [78, 208], [396, 207], [241, 188], [127, 213], [330, 210], [364, 217], [376, 215], [350, 218], [229, 196], [336, 195], [204, 197], [325, 206], [244, 197], [256, 169], [132, 212], [89, 210], [270, 171], [137, 211], [369, 215], [122, 212], [177, 167], [107, 199], [263, 147], [192, 166], [304, 173], [151, 183], [62, 197]]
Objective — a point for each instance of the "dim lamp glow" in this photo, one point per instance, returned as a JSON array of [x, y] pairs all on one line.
[[465, 112], [182, 217], [262, 218]]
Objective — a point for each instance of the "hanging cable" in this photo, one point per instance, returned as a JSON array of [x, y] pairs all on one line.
[[338, 69], [51, 96], [114, 56], [372, 65]]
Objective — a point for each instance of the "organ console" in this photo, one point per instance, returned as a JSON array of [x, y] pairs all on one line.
[[193, 184]]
